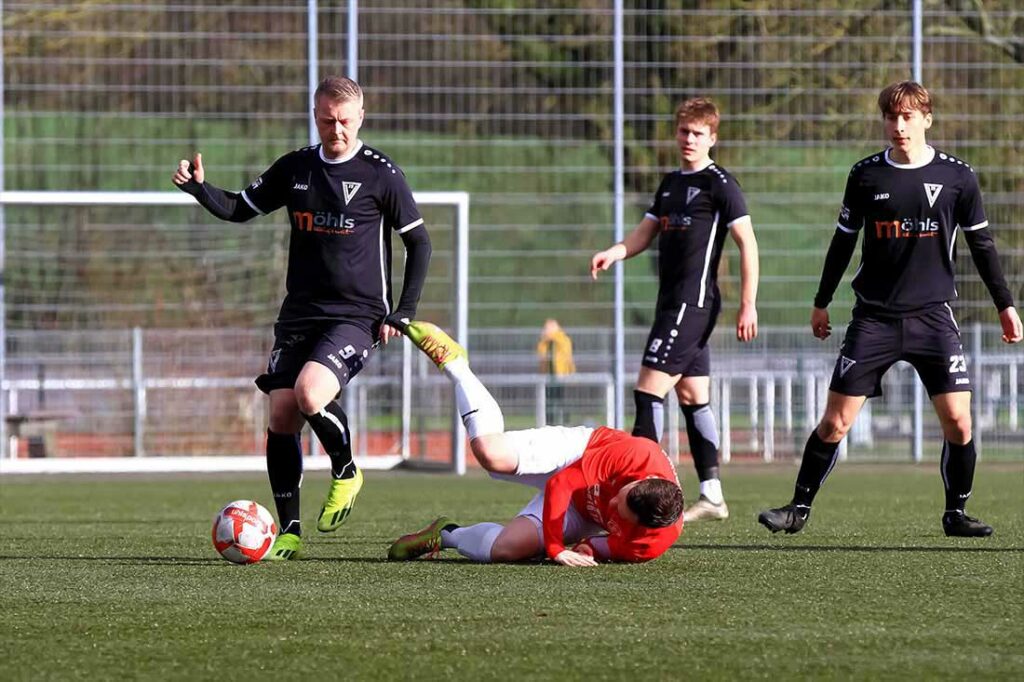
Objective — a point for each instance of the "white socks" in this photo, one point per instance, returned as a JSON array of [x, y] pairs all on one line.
[[477, 407], [473, 542], [712, 489]]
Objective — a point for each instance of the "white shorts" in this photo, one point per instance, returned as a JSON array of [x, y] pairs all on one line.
[[561, 446], [575, 528]]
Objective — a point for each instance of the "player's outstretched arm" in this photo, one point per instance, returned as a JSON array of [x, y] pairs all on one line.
[[191, 179], [746, 319], [635, 242]]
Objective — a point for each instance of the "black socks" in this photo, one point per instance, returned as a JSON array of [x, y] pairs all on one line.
[[331, 426], [650, 416], [703, 435], [819, 458], [284, 468], [957, 466]]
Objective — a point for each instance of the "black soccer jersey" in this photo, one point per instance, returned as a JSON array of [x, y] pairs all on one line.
[[342, 213], [694, 211], [910, 215]]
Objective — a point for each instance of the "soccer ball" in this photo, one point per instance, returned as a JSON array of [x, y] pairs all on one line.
[[243, 532]]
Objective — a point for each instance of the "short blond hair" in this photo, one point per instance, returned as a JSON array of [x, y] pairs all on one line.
[[338, 89], [904, 96], [700, 110]]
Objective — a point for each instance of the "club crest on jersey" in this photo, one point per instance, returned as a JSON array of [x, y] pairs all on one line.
[[845, 364], [932, 192], [691, 192], [349, 189]]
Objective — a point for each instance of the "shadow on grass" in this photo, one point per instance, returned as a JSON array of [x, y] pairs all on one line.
[[848, 548]]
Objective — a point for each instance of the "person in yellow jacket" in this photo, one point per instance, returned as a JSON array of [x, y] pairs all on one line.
[[555, 352]]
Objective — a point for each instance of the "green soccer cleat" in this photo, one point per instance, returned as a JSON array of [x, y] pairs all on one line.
[[287, 547], [425, 543], [432, 340], [340, 500]]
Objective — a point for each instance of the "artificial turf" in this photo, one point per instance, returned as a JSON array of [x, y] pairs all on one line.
[[115, 577]]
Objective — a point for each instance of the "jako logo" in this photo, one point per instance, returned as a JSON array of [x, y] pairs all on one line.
[[908, 227], [322, 221]]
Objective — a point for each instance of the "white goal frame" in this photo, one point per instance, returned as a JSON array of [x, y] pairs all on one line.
[[139, 463]]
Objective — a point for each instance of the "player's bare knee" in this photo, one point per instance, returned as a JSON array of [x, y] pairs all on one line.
[[957, 428], [284, 414], [285, 422], [311, 397], [833, 427], [493, 454]]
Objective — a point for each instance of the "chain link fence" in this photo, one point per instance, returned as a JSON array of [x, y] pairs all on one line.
[[511, 102]]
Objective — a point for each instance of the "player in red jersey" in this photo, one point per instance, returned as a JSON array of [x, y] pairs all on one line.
[[608, 495]]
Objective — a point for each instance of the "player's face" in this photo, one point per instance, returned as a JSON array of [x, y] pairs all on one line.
[[905, 130], [338, 124], [695, 141]]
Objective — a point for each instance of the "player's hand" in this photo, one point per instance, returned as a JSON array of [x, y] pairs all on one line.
[[393, 326], [746, 323], [567, 557], [387, 332], [820, 325], [1013, 331], [603, 260], [183, 174], [583, 548]]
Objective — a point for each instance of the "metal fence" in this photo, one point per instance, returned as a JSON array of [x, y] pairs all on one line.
[[164, 392], [512, 102]]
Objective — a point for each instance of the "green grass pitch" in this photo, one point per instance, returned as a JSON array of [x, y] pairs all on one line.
[[115, 577]]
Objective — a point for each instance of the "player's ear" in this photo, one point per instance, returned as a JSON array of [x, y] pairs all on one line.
[[714, 139], [928, 120]]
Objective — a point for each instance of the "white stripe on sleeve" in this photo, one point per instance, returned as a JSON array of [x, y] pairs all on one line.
[[415, 223], [251, 205]]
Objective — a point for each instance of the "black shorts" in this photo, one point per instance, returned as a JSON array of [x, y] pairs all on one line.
[[929, 341], [342, 347], [678, 342]]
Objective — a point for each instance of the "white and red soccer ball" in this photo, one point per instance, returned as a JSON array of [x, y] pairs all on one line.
[[243, 532]]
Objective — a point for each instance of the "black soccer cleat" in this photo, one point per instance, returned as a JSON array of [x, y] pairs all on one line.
[[960, 525], [790, 518]]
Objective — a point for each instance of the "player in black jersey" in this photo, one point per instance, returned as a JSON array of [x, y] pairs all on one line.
[[693, 210], [910, 201], [344, 200]]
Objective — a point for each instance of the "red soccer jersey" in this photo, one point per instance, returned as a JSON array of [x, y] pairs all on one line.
[[612, 460]]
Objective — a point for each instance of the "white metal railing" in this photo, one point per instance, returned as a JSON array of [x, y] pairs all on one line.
[[764, 388]]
